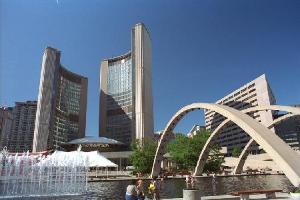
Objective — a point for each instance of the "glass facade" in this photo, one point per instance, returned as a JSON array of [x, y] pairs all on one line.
[[69, 101], [119, 99], [119, 78], [66, 125]]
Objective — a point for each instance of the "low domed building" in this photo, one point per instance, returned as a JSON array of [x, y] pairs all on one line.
[[91, 143], [111, 149]]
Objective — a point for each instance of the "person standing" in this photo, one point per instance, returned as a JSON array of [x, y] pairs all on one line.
[[214, 184], [140, 190], [154, 189], [157, 189], [187, 179], [131, 191]]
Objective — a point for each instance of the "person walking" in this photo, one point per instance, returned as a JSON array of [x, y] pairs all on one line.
[[131, 191]]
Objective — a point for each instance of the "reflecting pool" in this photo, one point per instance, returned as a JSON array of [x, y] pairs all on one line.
[[172, 188]]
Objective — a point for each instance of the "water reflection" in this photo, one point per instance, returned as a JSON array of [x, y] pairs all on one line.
[[172, 188]]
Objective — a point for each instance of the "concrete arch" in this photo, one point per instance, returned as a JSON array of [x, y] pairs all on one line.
[[242, 158], [205, 151], [272, 144], [246, 151]]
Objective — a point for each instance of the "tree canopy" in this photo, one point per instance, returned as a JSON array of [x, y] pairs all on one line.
[[143, 155], [236, 151], [185, 151]]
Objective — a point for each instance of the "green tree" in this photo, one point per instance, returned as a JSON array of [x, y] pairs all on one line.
[[185, 151], [236, 152], [178, 150], [214, 161], [143, 155]]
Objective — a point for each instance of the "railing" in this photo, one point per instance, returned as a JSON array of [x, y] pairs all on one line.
[[104, 173]]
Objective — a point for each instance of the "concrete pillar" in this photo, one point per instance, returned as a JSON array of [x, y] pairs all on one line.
[[191, 194]]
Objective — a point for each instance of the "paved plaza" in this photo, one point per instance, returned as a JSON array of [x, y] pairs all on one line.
[[280, 196]]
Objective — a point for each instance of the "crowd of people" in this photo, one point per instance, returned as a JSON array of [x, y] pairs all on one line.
[[135, 190]]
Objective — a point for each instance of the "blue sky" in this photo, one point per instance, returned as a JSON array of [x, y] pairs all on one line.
[[201, 49]]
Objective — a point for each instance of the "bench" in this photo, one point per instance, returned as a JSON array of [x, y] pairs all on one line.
[[244, 194]]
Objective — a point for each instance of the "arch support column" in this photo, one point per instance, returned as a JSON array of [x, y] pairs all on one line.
[[207, 147]]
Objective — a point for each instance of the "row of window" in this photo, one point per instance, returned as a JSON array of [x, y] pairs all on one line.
[[235, 104], [119, 77], [68, 99], [242, 91]]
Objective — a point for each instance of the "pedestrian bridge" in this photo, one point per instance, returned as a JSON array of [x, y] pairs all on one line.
[[269, 141]]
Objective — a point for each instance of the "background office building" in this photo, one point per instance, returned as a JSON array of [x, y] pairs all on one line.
[[289, 130], [19, 127], [6, 118], [195, 129], [62, 102], [126, 110], [254, 93]]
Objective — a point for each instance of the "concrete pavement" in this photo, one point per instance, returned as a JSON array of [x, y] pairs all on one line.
[[280, 196]]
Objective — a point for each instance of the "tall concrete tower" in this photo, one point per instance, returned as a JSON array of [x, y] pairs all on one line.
[[126, 107], [61, 107]]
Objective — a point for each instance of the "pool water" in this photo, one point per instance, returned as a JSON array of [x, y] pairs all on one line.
[[172, 188]]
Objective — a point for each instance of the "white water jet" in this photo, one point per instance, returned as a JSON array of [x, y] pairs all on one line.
[[28, 175]]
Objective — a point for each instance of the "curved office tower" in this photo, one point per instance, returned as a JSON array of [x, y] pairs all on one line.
[[61, 108], [126, 110]]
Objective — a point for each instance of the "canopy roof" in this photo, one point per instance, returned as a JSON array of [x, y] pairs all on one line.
[[77, 158], [95, 140]]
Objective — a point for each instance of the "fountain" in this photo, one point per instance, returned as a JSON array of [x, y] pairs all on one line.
[[25, 175]]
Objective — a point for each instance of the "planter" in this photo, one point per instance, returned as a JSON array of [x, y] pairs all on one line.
[[191, 194], [295, 196]]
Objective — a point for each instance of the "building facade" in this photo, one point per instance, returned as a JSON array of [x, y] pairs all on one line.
[[289, 130], [19, 127], [254, 93], [195, 129], [62, 103], [91, 143], [6, 119], [126, 110]]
